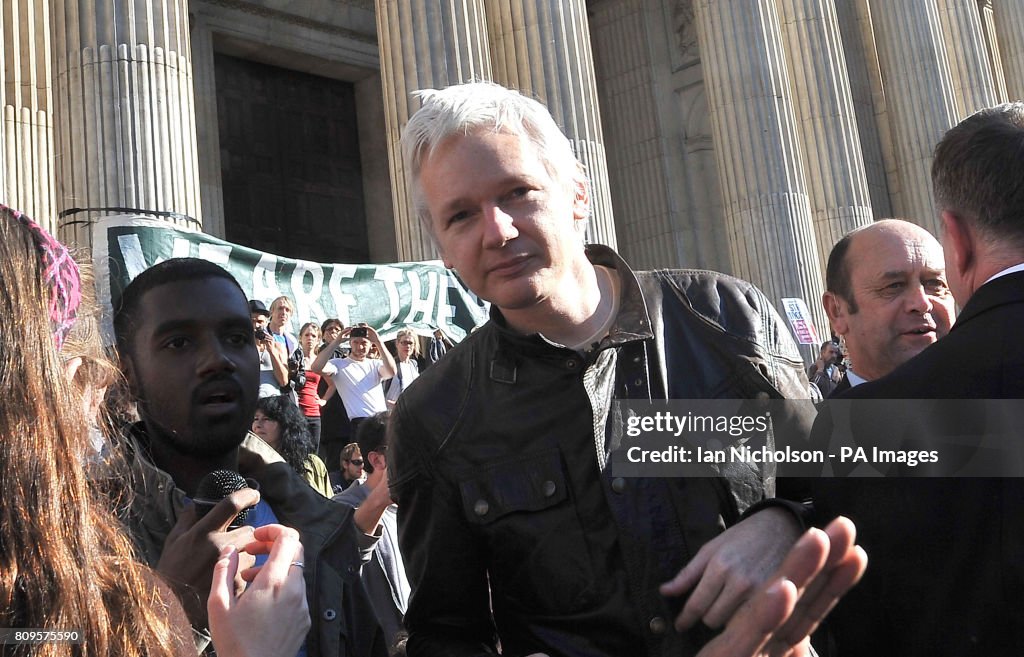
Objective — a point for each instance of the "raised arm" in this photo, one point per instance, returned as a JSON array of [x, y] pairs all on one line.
[[278, 360], [322, 358], [387, 368]]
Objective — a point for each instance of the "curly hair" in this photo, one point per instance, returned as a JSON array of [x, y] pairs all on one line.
[[296, 442]]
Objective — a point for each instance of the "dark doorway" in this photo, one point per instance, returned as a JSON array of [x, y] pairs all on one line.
[[290, 162]]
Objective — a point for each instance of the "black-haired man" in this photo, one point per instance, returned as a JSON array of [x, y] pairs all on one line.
[[946, 569], [186, 342], [384, 577], [823, 372]]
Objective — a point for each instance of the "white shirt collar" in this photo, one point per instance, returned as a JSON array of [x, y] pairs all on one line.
[[853, 378], [1009, 270]]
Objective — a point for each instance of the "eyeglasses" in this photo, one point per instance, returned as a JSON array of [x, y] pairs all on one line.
[[356, 462]]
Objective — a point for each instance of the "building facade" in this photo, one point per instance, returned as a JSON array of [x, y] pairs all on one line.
[[744, 136]]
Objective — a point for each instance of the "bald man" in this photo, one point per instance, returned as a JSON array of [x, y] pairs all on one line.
[[887, 296], [946, 568]]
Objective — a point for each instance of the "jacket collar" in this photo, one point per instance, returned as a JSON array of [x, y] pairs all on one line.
[[995, 293], [632, 323]]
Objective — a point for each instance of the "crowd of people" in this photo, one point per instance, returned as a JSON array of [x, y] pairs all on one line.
[[356, 377], [466, 503]]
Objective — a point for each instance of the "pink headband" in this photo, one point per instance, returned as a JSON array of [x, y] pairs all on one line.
[[60, 275]]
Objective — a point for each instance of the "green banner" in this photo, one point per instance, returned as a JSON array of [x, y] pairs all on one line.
[[417, 295]]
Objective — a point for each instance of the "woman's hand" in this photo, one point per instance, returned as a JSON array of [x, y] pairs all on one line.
[[270, 618]]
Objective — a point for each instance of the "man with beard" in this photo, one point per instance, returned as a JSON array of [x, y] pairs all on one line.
[[187, 346], [824, 372]]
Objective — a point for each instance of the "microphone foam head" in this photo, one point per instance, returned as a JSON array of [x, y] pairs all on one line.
[[214, 487]]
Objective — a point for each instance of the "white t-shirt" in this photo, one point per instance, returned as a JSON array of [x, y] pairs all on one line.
[[358, 383]]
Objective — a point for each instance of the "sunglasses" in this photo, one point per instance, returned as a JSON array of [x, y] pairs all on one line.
[[356, 462], [406, 342]]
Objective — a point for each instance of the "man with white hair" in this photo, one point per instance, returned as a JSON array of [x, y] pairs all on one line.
[[499, 454]]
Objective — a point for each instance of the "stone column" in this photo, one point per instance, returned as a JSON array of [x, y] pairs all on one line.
[[26, 125], [204, 82], [542, 48], [920, 97], [967, 54], [424, 44], [126, 136], [868, 100], [995, 60], [834, 162], [1009, 18], [767, 208]]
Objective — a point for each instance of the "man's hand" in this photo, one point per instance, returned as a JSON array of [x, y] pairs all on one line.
[[781, 615], [729, 568], [271, 617], [194, 545], [278, 359], [367, 516], [779, 618]]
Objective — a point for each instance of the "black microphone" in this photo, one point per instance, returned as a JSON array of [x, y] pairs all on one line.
[[217, 485]]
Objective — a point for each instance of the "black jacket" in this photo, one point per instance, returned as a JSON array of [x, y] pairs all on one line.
[[343, 622], [501, 498], [946, 573]]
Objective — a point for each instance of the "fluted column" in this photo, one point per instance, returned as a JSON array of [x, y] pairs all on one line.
[[920, 96], [973, 86], [868, 100], [995, 60], [26, 125], [424, 44], [834, 162], [767, 209], [542, 47], [125, 122], [1009, 18], [204, 83]]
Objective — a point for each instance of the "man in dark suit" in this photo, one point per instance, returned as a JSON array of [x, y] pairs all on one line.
[[947, 568], [887, 296]]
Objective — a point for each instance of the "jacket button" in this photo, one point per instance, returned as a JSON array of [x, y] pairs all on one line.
[[619, 485], [481, 507], [330, 614], [571, 363], [638, 382], [549, 488], [658, 625]]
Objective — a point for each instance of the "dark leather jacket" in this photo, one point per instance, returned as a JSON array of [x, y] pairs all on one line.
[[503, 504], [343, 623]]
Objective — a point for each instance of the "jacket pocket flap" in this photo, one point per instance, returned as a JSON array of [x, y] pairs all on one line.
[[530, 483]]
